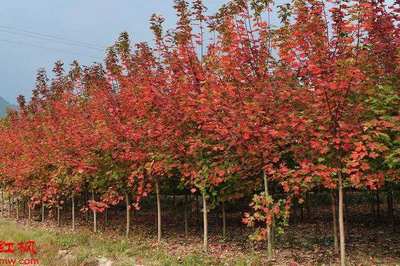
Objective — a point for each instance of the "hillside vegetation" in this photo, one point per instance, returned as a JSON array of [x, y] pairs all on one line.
[[4, 105]]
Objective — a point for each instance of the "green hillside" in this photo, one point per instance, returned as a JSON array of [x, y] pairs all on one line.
[[4, 105]]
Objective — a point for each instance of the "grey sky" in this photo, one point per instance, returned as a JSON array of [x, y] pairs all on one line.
[[80, 24]]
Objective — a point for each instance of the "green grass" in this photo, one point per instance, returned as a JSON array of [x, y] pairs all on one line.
[[301, 244], [85, 247]]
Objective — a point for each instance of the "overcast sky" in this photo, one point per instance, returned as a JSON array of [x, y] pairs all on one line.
[[35, 34]]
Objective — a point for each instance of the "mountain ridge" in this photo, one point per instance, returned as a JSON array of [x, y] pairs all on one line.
[[4, 105]]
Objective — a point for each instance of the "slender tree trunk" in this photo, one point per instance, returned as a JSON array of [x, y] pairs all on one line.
[[346, 205], [73, 211], [223, 220], [269, 236], [197, 211], [205, 223], [25, 205], [378, 205], [390, 207], [301, 212], [174, 211], [106, 217], [42, 211], [334, 222], [86, 199], [185, 214], [9, 207], [341, 222], [58, 215], [308, 208], [346, 214], [17, 209], [128, 218], [273, 234], [294, 212], [372, 204], [2, 204], [158, 211], [94, 216], [389, 199], [29, 214]]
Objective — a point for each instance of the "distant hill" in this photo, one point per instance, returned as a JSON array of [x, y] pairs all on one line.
[[4, 105]]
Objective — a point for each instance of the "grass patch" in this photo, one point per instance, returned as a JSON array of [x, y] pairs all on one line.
[[57, 246]]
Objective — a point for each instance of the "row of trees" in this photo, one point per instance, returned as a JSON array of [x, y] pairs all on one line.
[[226, 106]]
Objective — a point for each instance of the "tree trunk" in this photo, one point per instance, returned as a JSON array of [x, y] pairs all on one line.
[[73, 211], [128, 218], [269, 236], [205, 223], [25, 205], [273, 234], [197, 212], [2, 204], [389, 199], [174, 211], [390, 206], [372, 204], [9, 207], [346, 214], [185, 214], [223, 220], [106, 217], [42, 211], [341, 222], [58, 215], [94, 216], [378, 205], [346, 205], [296, 212], [301, 212], [158, 211], [308, 208], [334, 222], [17, 209], [29, 214], [86, 199]]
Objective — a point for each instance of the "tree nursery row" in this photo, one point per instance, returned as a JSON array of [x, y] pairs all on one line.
[[259, 102]]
